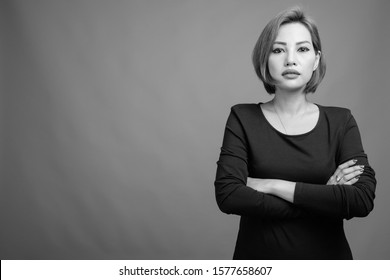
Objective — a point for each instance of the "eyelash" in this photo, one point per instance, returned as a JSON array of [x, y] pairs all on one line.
[[277, 50], [301, 49], [304, 49]]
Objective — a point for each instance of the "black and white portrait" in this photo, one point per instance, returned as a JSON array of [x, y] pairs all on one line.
[[113, 130]]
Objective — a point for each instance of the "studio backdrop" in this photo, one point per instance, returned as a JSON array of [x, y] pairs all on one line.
[[113, 112]]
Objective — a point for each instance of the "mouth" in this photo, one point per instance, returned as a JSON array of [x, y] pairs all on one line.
[[290, 72]]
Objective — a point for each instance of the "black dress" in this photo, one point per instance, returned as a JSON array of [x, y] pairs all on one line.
[[312, 226]]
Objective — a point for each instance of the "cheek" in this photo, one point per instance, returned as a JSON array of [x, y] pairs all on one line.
[[272, 67], [310, 63], [309, 67]]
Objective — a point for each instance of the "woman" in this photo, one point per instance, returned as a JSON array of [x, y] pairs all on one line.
[[292, 170]]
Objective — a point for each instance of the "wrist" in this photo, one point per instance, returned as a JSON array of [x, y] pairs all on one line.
[[283, 189], [271, 186]]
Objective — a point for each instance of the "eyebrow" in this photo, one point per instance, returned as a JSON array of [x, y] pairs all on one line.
[[298, 43]]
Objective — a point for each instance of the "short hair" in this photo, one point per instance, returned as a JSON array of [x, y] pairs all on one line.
[[264, 45]]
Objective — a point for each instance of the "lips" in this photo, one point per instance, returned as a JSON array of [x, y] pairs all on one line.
[[290, 72]]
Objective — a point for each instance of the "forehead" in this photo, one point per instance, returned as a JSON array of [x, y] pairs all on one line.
[[293, 32]]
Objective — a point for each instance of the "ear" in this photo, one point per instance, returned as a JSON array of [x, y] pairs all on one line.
[[317, 61]]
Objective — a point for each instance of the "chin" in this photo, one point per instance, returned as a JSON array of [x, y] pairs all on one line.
[[291, 88]]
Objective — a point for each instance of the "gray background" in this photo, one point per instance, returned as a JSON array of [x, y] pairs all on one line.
[[113, 115]]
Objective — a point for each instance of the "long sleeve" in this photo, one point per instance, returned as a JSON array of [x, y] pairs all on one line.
[[232, 194], [342, 201], [312, 226]]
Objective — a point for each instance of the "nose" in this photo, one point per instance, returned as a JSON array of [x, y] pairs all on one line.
[[290, 59]]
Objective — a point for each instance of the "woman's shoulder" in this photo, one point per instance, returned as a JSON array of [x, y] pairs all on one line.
[[245, 106], [246, 109], [334, 112]]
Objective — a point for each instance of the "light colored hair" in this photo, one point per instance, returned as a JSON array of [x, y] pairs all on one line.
[[264, 44]]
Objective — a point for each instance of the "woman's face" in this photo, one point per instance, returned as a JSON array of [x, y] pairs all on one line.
[[293, 59]]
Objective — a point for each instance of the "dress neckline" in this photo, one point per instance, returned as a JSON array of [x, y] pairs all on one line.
[[291, 135]]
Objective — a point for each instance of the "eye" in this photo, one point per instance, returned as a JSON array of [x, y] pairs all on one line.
[[303, 49], [277, 50]]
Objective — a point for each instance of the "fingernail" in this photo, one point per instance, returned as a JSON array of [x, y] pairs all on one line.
[[355, 161], [357, 177], [361, 166]]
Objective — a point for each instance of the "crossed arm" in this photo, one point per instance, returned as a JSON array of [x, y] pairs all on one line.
[[349, 192], [346, 174]]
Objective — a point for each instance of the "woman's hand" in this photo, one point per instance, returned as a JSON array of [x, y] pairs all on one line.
[[346, 174]]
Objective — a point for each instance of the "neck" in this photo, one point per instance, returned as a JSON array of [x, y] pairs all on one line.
[[290, 103]]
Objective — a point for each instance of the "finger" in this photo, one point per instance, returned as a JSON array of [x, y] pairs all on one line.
[[353, 174], [346, 165], [339, 180], [350, 172], [332, 181], [345, 169], [352, 181], [352, 169]]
